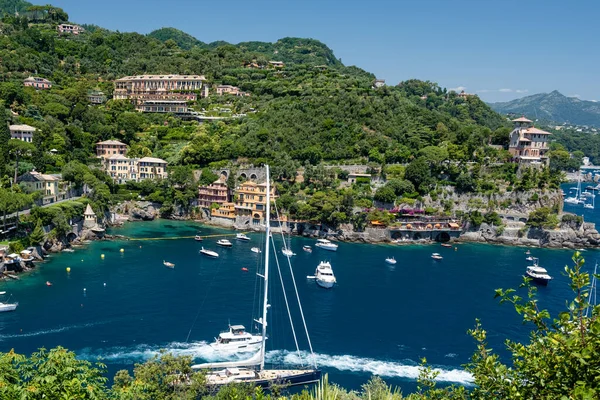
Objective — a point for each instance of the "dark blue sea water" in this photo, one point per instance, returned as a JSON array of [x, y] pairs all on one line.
[[379, 319]]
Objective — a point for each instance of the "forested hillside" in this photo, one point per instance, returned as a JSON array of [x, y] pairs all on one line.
[[307, 111]]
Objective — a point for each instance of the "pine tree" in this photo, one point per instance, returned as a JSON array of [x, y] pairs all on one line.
[[37, 236]]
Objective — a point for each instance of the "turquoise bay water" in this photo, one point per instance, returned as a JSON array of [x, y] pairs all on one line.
[[379, 319]]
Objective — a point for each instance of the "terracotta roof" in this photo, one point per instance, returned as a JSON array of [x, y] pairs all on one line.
[[23, 127], [522, 119], [152, 160], [111, 142], [537, 131], [34, 176], [172, 77], [117, 157]]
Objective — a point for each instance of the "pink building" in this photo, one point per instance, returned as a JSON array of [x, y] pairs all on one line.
[[228, 89], [158, 93], [108, 148], [217, 192], [68, 28], [528, 145], [37, 82]]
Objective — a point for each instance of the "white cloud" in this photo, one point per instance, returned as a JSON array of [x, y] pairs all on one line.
[[458, 89], [521, 90], [574, 95], [505, 90]]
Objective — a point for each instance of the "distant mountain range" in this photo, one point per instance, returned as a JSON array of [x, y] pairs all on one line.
[[553, 106]]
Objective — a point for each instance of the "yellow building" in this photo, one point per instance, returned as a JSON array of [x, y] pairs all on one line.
[[50, 186], [251, 201], [225, 210]]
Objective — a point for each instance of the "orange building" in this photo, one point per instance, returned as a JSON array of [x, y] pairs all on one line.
[[251, 200], [225, 210]]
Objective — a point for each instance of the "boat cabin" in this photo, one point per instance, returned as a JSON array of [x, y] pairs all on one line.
[[236, 333]]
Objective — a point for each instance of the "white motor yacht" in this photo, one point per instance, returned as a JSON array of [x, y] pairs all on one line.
[[224, 243], [324, 275], [538, 274], [390, 260], [436, 256], [237, 339], [209, 253], [326, 245], [307, 249], [242, 237]]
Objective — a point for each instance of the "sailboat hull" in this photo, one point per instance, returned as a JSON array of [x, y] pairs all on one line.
[[264, 378]]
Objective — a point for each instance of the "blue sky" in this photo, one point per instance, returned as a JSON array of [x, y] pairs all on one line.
[[498, 49]]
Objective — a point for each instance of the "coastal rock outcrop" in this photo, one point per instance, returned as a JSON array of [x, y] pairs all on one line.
[[138, 210]]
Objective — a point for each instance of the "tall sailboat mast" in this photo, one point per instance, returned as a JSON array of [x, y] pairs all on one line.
[[266, 286]]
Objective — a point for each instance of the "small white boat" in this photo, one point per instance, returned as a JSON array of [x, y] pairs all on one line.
[[198, 238], [242, 237], [528, 252], [8, 307], [529, 258], [255, 250], [69, 250], [287, 252], [390, 260], [224, 243], [436, 256], [326, 245], [209, 253], [236, 339], [168, 264], [307, 249], [324, 275], [588, 206], [538, 274], [2, 293]]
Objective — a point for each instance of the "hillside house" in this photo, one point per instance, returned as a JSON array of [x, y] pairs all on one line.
[[70, 28], [22, 132], [37, 82], [108, 148], [528, 145]]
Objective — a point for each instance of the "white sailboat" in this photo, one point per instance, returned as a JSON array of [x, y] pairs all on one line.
[[593, 204], [576, 199], [252, 370]]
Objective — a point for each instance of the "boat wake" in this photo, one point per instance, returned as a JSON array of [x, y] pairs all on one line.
[[390, 369], [203, 351], [52, 330]]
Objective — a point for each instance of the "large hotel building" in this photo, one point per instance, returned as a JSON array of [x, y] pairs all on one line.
[[161, 93]]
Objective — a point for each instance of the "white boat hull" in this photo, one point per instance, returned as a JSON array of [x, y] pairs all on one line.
[[240, 347], [327, 247], [325, 284], [8, 307]]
